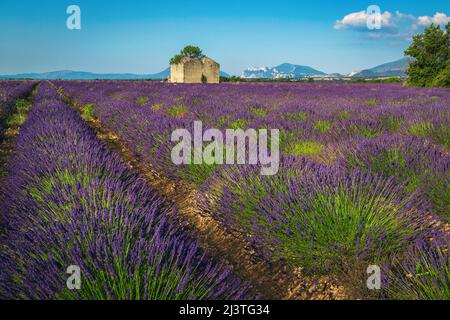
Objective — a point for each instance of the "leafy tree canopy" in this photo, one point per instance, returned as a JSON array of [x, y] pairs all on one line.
[[431, 51], [190, 51]]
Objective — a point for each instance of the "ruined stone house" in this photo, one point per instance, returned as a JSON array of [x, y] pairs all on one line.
[[193, 70]]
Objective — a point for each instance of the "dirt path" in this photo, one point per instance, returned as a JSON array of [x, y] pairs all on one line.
[[269, 281]]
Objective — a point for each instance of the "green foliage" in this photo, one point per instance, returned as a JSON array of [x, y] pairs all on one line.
[[162, 283], [388, 80], [222, 121], [259, 112], [16, 120], [176, 59], [337, 224], [388, 163], [157, 106], [431, 51], [344, 114], [189, 51], [296, 116], [378, 80], [232, 79], [305, 148], [364, 131], [422, 129], [358, 80], [88, 112], [391, 122], [142, 100], [240, 123], [442, 135], [22, 104], [372, 102], [192, 52], [177, 111], [323, 126], [426, 276], [204, 79], [197, 174], [443, 78], [439, 194], [393, 163], [20, 114]]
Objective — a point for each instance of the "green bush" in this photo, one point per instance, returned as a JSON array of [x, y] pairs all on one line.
[[443, 78], [88, 112], [142, 100], [431, 51]]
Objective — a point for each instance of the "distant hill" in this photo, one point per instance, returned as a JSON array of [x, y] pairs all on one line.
[[291, 71], [81, 75], [285, 70], [391, 69]]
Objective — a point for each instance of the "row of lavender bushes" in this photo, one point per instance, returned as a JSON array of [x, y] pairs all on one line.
[[12, 94], [70, 201]]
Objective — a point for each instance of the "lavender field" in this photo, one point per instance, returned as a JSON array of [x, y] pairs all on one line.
[[364, 180], [10, 93]]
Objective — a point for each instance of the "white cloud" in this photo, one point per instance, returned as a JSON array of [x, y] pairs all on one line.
[[438, 18], [399, 25], [358, 20]]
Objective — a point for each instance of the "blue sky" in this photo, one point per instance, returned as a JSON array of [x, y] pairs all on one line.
[[139, 36]]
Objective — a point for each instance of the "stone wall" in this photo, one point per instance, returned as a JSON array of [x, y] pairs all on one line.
[[176, 73], [191, 71], [211, 70]]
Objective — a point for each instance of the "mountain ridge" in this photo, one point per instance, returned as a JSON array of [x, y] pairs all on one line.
[[284, 70], [84, 75], [395, 68]]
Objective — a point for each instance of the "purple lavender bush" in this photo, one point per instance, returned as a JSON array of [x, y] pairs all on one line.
[[318, 217], [423, 272], [413, 161], [12, 94]]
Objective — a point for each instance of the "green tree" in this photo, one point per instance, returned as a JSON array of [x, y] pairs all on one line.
[[190, 51], [443, 78], [176, 59], [431, 51]]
